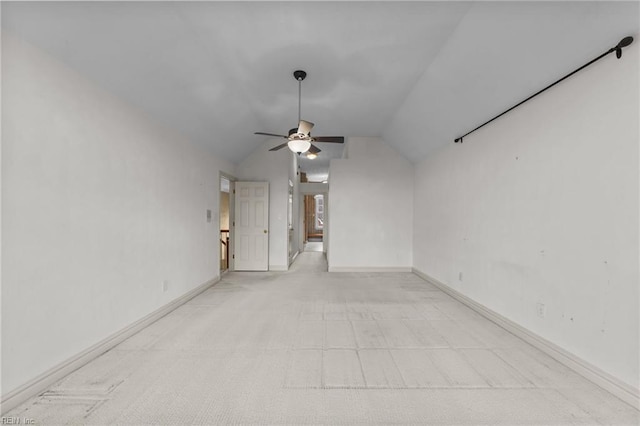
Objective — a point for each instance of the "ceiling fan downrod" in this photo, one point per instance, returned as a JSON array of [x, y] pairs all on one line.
[[299, 75]]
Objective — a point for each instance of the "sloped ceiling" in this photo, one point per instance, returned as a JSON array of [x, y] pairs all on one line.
[[417, 73]]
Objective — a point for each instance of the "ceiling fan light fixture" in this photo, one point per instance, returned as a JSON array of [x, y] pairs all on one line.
[[311, 155], [299, 139], [299, 145]]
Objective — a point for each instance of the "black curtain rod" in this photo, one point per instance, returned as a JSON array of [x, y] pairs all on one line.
[[618, 49]]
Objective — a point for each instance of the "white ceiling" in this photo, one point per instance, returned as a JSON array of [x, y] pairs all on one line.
[[417, 73]]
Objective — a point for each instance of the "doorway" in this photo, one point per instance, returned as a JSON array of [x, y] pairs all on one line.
[[225, 230], [314, 222]]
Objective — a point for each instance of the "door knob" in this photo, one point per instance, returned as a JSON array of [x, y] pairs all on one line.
[[265, 231]]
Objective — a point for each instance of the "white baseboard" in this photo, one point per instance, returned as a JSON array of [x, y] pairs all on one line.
[[370, 269], [623, 391], [293, 258], [278, 268], [49, 377]]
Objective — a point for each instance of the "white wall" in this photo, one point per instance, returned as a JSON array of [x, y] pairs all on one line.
[[541, 206], [326, 237], [312, 188], [371, 198], [100, 206], [273, 167]]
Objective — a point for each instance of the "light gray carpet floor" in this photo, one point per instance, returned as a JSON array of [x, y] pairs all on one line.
[[311, 347], [313, 246]]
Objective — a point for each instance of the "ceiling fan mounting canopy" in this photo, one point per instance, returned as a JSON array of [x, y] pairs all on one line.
[[299, 138]]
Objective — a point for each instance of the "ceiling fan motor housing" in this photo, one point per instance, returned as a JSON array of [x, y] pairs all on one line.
[[293, 134]]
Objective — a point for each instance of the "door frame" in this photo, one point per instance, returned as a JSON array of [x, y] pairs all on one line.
[[302, 216], [232, 179]]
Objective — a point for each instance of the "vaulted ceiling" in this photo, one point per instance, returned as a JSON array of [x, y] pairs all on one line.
[[417, 73]]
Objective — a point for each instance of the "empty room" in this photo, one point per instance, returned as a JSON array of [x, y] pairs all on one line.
[[302, 213]]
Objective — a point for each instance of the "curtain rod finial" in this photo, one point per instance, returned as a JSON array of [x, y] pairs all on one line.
[[625, 42]]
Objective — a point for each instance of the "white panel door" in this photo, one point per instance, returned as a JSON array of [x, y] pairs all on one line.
[[252, 226]]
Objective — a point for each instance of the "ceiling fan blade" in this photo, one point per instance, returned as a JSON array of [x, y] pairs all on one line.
[[314, 149], [329, 139], [305, 127], [270, 134], [279, 146]]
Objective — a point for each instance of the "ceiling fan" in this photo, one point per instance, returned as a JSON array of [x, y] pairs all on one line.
[[299, 139]]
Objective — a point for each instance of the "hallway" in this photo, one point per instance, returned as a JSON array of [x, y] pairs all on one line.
[[308, 347]]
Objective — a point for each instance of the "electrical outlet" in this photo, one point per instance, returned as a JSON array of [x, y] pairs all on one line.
[[460, 276], [165, 286], [541, 310]]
